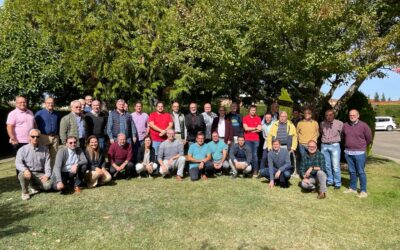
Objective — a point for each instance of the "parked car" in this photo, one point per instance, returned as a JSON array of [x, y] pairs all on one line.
[[384, 123]]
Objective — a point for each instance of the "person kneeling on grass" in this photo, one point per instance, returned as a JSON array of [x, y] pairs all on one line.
[[33, 164], [170, 156], [198, 158], [219, 154], [240, 157], [312, 170], [70, 166], [98, 175], [120, 157], [279, 166], [146, 158]]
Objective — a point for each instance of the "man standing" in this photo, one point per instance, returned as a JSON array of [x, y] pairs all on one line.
[[178, 123], [331, 130], [357, 136], [284, 131], [312, 170], [197, 157], [252, 126], [33, 164], [19, 122], [219, 154], [140, 119], [74, 125], [159, 123], [47, 120], [208, 117], [120, 121], [70, 167], [307, 130], [170, 156], [236, 120], [194, 123], [120, 157], [296, 117], [96, 122], [266, 127], [88, 104], [240, 157], [223, 126], [279, 166]]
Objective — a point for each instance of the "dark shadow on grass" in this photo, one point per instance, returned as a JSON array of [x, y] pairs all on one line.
[[377, 160], [9, 184], [396, 177], [12, 213], [345, 182]]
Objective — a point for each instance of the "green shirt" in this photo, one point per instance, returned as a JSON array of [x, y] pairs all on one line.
[[198, 152], [215, 149], [316, 160]]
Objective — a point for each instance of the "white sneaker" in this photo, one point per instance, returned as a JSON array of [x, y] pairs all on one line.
[[363, 195], [33, 191], [349, 191], [25, 196]]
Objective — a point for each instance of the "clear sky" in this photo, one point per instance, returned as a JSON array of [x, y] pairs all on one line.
[[390, 86]]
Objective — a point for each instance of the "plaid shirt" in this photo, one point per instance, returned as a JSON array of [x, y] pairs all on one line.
[[316, 160]]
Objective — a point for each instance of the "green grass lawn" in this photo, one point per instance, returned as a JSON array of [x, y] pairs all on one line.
[[218, 214]]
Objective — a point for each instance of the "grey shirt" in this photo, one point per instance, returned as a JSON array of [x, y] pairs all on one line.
[[34, 159], [280, 160], [169, 149]]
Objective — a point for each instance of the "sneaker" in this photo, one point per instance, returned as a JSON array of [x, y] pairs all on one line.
[[350, 191], [204, 177], [336, 187], [25, 196], [363, 195], [179, 178], [77, 190], [33, 191]]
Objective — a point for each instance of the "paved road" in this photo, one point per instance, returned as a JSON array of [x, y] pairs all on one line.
[[387, 144]]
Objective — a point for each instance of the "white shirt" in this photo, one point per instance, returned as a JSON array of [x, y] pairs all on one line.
[[221, 127]]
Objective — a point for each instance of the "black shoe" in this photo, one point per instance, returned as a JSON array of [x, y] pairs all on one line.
[[337, 188]]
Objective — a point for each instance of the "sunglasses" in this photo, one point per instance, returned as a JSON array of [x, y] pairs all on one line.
[[72, 142], [35, 136]]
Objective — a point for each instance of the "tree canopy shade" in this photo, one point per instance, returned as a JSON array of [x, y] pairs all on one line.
[[196, 49]]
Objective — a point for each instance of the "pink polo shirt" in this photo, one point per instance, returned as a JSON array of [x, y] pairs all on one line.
[[23, 122]]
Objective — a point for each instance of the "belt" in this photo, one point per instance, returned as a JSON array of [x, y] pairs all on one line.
[[178, 133], [221, 137], [330, 143]]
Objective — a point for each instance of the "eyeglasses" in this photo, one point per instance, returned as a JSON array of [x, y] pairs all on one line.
[[35, 136], [72, 142]]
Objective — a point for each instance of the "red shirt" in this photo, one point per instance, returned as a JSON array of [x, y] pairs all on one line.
[[118, 154], [162, 121], [251, 122]]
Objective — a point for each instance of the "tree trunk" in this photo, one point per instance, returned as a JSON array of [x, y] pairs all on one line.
[[348, 94]]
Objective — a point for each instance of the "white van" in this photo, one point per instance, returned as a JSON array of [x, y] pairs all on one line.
[[384, 123]]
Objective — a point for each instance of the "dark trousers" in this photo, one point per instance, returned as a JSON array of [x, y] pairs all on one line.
[[127, 172], [264, 160], [72, 180], [15, 149], [207, 170], [283, 178]]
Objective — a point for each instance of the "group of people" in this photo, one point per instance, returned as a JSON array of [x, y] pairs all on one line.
[[200, 145]]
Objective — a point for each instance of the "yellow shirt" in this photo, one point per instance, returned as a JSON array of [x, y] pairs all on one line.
[[307, 130]]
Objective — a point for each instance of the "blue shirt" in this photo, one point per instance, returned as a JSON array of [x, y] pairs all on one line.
[[81, 128], [198, 152], [215, 149], [47, 122]]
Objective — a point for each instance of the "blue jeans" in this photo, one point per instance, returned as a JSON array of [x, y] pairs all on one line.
[[264, 159], [331, 153], [302, 150], [102, 144], [356, 165], [283, 178], [156, 145], [254, 148]]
